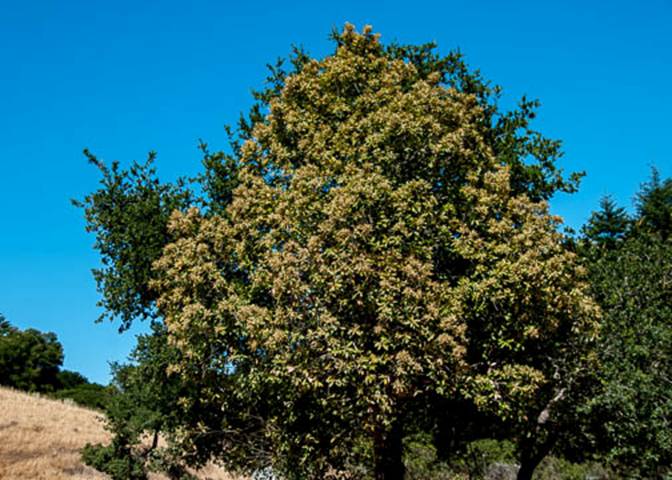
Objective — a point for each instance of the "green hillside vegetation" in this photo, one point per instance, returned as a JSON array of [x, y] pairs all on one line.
[[31, 361]]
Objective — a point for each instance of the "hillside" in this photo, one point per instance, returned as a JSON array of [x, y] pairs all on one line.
[[40, 439]]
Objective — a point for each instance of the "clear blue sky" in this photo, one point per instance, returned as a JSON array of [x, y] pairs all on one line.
[[123, 78]]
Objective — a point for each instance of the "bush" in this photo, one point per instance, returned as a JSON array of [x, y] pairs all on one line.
[[421, 460], [116, 460], [68, 379], [555, 468], [486, 458], [481, 459], [89, 395]]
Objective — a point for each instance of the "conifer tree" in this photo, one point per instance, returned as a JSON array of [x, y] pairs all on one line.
[[607, 226], [654, 206]]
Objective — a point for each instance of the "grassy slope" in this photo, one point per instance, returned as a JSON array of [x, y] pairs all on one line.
[[40, 439]]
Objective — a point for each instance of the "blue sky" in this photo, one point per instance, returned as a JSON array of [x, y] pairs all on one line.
[[122, 78]]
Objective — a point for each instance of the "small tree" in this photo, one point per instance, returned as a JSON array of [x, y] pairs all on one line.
[[654, 206], [608, 226], [144, 403]]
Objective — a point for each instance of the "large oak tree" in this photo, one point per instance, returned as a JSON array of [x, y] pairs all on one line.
[[378, 239]]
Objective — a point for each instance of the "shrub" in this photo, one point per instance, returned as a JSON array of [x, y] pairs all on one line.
[[485, 457], [68, 379], [421, 460], [89, 395], [555, 468], [116, 460]]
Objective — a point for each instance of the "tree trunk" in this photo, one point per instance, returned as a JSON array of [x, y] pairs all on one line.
[[534, 450], [527, 468], [387, 453], [531, 458], [456, 427]]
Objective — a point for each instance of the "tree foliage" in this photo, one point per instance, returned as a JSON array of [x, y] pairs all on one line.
[[377, 239], [29, 359], [628, 421], [608, 226], [654, 206], [634, 286], [128, 215]]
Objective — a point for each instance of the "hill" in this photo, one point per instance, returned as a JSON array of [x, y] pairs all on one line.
[[40, 439]]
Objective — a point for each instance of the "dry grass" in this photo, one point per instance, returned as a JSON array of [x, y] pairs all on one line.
[[40, 439]]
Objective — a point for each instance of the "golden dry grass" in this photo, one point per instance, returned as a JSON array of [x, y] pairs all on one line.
[[40, 439]]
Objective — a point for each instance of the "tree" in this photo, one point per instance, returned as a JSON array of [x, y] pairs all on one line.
[[627, 420], [607, 226], [654, 206], [129, 215], [378, 240], [144, 402], [631, 415], [374, 252], [29, 359]]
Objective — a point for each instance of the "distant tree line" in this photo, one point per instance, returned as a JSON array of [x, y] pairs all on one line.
[[369, 285], [31, 360]]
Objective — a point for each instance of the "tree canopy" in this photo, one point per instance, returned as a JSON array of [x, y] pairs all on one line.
[[29, 359], [633, 284], [629, 261], [607, 226], [377, 238], [654, 206]]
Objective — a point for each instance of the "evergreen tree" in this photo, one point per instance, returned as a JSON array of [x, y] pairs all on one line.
[[654, 206], [607, 226]]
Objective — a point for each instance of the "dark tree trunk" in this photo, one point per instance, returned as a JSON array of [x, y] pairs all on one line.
[[457, 422], [387, 453], [540, 443], [527, 468], [531, 457], [448, 427], [152, 447]]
